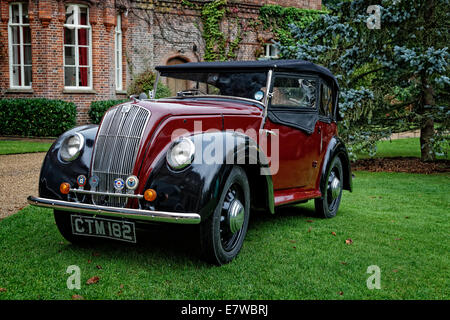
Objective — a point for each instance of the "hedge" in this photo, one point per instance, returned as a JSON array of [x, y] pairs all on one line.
[[37, 117], [98, 109]]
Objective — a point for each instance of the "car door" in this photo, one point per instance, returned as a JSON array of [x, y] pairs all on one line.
[[293, 117]]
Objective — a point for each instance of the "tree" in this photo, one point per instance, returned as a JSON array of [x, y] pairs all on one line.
[[391, 61]]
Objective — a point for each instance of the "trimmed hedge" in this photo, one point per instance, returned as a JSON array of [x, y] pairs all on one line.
[[37, 117], [98, 109]]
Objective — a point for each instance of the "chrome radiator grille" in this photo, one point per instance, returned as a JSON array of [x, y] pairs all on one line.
[[116, 149]]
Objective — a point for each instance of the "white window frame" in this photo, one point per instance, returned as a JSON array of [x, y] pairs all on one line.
[[76, 25], [267, 49], [22, 64], [118, 54]]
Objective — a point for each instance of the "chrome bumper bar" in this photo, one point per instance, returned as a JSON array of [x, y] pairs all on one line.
[[135, 214]]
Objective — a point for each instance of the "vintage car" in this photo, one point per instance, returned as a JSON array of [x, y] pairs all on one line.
[[236, 137]]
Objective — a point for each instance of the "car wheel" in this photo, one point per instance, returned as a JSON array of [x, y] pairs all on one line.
[[223, 233], [64, 225], [327, 206]]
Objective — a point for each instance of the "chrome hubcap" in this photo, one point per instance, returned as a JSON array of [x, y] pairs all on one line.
[[335, 188], [236, 214]]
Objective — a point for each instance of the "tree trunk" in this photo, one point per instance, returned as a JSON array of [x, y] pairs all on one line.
[[426, 146], [427, 128]]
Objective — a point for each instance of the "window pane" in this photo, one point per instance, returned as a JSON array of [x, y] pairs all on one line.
[[83, 56], [26, 35], [69, 36], [15, 15], [84, 76], [83, 16], [69, 77], [16, 54], [27, 54], [15, 35], [83, 37], [294, 92], [326, 103], [70, 15], [27, 76], [17, 77], [69, 56], [25, 18]]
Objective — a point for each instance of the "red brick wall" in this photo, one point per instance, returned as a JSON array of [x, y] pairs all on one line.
[[46, 23], [144, 46]]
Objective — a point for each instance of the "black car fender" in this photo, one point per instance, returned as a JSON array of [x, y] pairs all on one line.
[[336, 148], [54, 170], [197, 188]]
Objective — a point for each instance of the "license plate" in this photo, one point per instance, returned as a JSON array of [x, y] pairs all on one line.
[[103, 228]]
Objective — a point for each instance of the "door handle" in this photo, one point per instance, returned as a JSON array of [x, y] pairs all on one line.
[[269, 132]]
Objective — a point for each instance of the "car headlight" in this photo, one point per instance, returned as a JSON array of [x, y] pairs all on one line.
[[180, 154], [71, 147]]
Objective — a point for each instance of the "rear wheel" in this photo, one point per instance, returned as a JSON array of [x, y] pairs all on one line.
[[327, 206], [223, 233]]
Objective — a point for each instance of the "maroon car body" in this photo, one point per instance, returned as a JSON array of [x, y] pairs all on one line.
[[269, 126]]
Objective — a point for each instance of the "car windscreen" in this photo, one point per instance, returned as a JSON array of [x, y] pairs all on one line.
[[249, 85]]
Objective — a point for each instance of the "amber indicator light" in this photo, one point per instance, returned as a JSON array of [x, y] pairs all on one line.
[[150, 195], [64, 188]]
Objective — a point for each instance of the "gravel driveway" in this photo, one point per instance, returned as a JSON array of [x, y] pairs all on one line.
[[19, 175]]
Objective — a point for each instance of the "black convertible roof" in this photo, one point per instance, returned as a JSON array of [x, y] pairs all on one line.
[[278, 65]]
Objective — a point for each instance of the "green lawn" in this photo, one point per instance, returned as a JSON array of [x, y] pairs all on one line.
[[12, 147], [399, 222], [409, 147]]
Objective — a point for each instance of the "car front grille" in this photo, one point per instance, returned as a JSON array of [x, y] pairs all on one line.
[[116, 149]]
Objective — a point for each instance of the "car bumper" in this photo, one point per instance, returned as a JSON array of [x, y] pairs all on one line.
[[134, 214]]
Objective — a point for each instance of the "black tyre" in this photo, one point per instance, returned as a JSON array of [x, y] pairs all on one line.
[[327, 206], [62, 220], [223, 233]]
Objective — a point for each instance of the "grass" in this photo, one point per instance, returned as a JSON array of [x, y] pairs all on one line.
[[399, 222], [408, 147], [13, 147]]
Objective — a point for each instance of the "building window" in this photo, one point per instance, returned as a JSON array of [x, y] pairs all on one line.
[[19, 40], [77, 48], [118, 53], [270, 51]]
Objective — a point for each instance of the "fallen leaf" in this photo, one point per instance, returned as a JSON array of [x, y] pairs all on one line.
[[333, 233], [61, 242], [89, 261], [373, 197], [3, 290], [95, 254], [77, 297], [292, 241], [310, 221], [93, 280], [309, 230], [341, 293], [395, 270], [99, 267], [121, 286], [398, 239], [406, 217], [343, 262], [294, 247], [348, 241]]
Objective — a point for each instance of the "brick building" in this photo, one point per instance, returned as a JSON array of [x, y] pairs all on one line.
[[85, 50]]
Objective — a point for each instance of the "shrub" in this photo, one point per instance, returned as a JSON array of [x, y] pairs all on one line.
[[36, 117], [144, 81], [98, 109]]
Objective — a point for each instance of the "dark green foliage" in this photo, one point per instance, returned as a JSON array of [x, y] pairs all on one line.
[[36, 117], [278, 19], [98, 109], [143, 83], [392, 79]]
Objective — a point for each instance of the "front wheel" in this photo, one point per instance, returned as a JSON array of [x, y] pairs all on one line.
[[223, 233], [328, 205]]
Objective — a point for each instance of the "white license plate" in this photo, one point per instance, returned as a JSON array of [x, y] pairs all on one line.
[[103, 228]]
